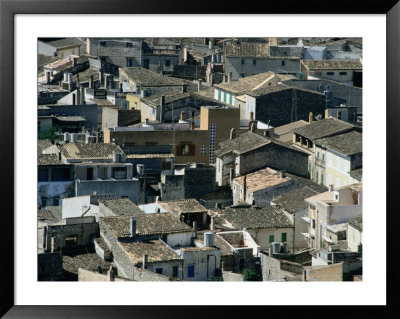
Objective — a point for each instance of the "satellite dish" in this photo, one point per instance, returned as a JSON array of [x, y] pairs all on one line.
[[318, 117]]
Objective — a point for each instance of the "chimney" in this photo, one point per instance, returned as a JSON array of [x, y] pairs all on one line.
[[132, 224], [231, 176], [184, 88], [192, 121], [229, 77], [101, 77], [282, 173], [310, 118], [251, 116], [208, 239], [194, 226], [91, 82], [82, 96], [199, 84], [269, 132], [183, 116], [73, 62], [212, 224], [244, 187], [97, 137], [110, 274], [73, 99], [233, 133], [142, 93], [59, 156], [326, 113], [106, 82], [330, 187], [48, 77], [162, 104], [145, 258], [146, 121], [253, 127], [211, 44], [120, 88], [52, 244]]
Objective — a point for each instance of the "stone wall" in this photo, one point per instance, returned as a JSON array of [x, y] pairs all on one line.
[[272, 269], [199, 181], [230, 276], [287, 106], [275, 156], [172, 187], [50, 267], [324, 273], [146, 275]]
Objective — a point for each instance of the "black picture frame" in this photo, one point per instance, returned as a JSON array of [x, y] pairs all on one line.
[[9, 8]]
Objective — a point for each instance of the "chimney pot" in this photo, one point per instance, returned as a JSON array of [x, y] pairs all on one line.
[[133, 226], [145, 258], [310, 119], [253, 127], [233, 133]]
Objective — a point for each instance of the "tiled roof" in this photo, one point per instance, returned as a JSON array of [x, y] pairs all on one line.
[[144, 77], [356, 222], [277, 88], [333, 64], [241, 144], [293, 202], [170, 96], [356, 174], [247, 49], [46, 214], [43, 60], [183, 206], [150, 156], [91, 261], [155, 250], [121, 206], [146, 224], [48, 159], [347, 144], [247, 83], [85, 75], [42, 145], [251, 218], [285, 132], [323, 128], [64, 43], [262, 179], [82, 151]]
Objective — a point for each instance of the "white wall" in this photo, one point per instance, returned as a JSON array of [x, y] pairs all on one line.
[[180, 239], [75, 206], [201, 262], [354, 238], [261, 236]]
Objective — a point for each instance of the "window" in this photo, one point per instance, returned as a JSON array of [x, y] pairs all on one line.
[[167, 62], [129, 44], [71, 240], [242, 264], [322, 179], [242, 75], [129, 62], [191, 271], [254, 62], [103, 43], [343, 73], [283, 237], [316, 177], [313, 224], [317, 73], [323, 156], [283, 63], [338, 162], [219, 95], [44, 202], [337, 184], [186, 149], [271, 238], [203, 149], [159, 271], [56, 201], [175, 271], [119, 172], [241, 61], [103, 59], [146, 63], [330, 73]]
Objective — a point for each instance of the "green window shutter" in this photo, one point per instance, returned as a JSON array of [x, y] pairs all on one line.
[[230, 99], [271, 238], [283, 237], [322, 179], [219, 95], [316, 177]]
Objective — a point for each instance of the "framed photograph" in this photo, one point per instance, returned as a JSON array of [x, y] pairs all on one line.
[[29, 27]]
